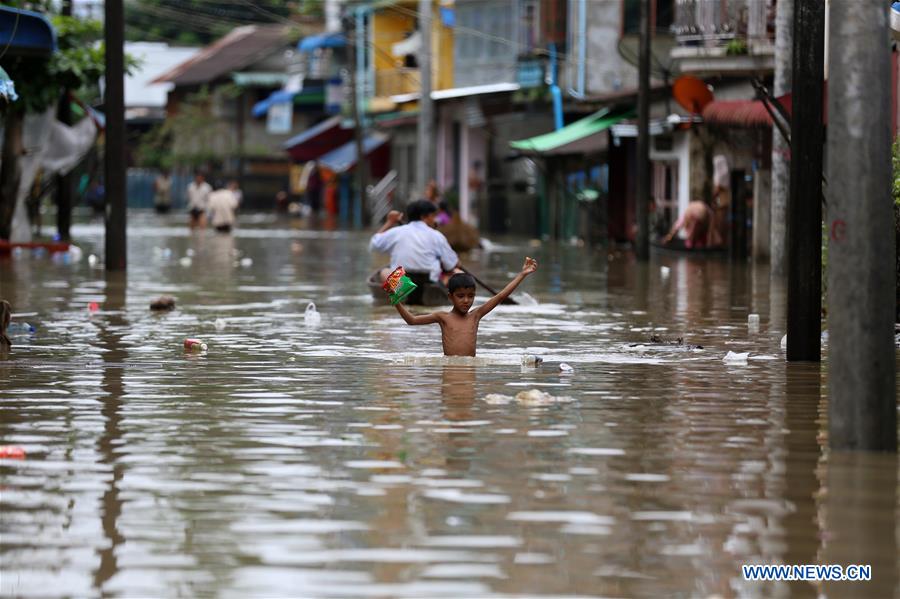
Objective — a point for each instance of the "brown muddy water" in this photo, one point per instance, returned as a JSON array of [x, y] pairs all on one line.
[[348, 458]]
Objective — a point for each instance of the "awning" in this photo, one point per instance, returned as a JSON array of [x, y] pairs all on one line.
[[317, 140], [259, 79], [24, 32], [458, 92], [741, 113], [308, 96], [581, 137], [323, 40], [344, 158]]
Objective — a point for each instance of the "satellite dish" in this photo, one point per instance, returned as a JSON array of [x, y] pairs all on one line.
[[661, 64], [691, 93]]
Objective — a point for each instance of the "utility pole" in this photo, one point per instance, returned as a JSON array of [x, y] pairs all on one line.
[[357, 66], [114, 105], [425, 159], [64, 182], [781, 151], [643, 141], [861, 383], [805, 204]]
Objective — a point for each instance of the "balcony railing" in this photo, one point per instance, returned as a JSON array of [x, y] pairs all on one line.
[[391, 82], [714, 22]]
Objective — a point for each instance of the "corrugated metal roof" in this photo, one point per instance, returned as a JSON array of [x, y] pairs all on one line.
[[742, 113], [239, 49]]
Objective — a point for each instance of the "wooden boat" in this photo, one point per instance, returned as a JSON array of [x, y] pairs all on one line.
[[428, 292], [52, 247]]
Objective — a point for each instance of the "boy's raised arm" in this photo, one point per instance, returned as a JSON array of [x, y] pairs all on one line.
[[413, 319], [529, 267]]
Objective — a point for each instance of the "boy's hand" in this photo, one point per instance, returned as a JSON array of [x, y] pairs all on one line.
[[530, 266]]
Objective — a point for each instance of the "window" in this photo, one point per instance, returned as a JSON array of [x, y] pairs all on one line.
[[662, 12]]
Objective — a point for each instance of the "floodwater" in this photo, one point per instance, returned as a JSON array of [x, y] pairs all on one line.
[[349, 458]]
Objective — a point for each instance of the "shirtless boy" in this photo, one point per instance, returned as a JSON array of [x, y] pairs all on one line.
[[459, 326]]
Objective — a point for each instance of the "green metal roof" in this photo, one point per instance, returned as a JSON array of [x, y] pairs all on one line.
[[581, 137]]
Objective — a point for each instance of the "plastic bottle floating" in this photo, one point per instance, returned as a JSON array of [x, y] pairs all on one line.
[[11, 452], [312, 317], [398, 286], [531, 360], [194, 345], [20, 328]]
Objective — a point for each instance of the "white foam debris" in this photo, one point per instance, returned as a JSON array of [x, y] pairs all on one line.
[[736, 358], [529, 398]]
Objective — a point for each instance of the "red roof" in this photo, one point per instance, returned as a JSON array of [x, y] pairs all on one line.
[[238, 50]]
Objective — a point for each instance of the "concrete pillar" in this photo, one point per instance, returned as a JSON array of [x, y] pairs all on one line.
[[465, 202], [425, 159], [781, 170], [861, 381], [762, 203], [114, 161]]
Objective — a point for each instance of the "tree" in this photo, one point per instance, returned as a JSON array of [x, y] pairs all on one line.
[[77, 65], [199, 22]]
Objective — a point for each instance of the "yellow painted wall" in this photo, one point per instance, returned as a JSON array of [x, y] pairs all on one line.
[[389, 26]]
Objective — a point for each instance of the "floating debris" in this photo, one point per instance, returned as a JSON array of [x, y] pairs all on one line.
[[736, 358], [530, 398], [163, 303], [311, 317], [565, 368], [532, 360]]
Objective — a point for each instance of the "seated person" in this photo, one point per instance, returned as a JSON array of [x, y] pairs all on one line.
[[416, 245]]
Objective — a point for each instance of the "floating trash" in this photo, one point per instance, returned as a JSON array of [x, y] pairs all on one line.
[[11, 452], [312, 317], [93, 260], [565, 368], [220, 324], [784, 342], [530, 398], [664, 272], [532, 360], [194, 345], [93, 307], [186, 261], [22, 328], [753, 323], [163, 303], [736, 358]]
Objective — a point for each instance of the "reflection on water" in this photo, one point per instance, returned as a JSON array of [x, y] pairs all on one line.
[[351, 459]]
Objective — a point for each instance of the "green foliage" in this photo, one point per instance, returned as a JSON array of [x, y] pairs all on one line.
[[192, 137], [77, 65], [199, 22], [736, 47]]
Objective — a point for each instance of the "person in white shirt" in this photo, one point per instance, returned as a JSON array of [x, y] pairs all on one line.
[[417, 245], [221, 206], [198, 195]]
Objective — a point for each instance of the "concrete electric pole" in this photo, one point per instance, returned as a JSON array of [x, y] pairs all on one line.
[[861, 366], [425, 158]]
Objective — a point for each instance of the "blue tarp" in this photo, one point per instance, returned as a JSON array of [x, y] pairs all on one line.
[[26, 32], [261, 108], [306, 96], [323, 40], [343, 158]]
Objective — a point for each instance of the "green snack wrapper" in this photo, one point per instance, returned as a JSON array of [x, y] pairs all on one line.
[[398, 286]]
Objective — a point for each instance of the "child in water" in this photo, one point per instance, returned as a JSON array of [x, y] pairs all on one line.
[[459, 326]]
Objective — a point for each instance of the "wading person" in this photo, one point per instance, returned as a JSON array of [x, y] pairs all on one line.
[[417, 246], [162, 192], [222, 204], [459, 326], [198, 192]]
